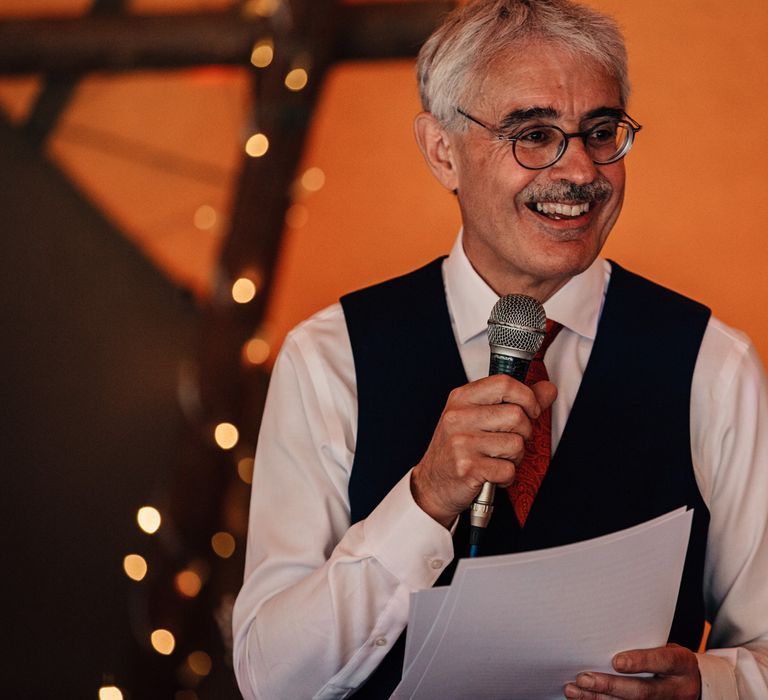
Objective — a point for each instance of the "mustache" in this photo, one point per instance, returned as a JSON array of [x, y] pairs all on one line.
[[564, 191]]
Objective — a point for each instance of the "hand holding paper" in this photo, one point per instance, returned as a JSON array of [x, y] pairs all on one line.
[[520, 626], [675, 670]]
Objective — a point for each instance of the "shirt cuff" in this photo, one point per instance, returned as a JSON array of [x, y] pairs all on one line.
[[409, 543], [718, 680]]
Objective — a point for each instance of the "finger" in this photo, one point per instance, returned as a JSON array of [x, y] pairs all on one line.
[[498, 388], [593, 686], [506, 446], [491, 457], [545, 393], [675, 670], [499, 418], [573, 692], [485, 431], [497, 470], [665, 661]]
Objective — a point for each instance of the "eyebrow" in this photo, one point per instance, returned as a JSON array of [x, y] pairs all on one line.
[[521, 116], [614, 112]]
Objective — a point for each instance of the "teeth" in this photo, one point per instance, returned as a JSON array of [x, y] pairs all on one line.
[[552, 208]]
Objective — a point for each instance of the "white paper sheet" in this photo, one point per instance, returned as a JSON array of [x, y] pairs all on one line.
[[520, 626]]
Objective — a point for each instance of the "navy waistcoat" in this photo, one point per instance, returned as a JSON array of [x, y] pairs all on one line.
[[624, 456]]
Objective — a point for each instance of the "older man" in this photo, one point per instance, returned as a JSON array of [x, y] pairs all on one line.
[[374, 442]]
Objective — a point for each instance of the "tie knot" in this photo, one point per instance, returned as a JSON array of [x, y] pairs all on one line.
[[553, 328]]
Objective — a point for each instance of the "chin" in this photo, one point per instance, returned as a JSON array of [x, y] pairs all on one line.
[[569, 258]]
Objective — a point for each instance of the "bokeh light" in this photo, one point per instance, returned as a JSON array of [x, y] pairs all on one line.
[[163, 642], [188, 583], [200, 663], [245, 469], [256, 351], [257, 145], [243, 290], [205, 217], [313, 179], [223, 544], [135, 566], [297, 216], [263, 53], [149, 519], [296, 79], [261, 8], [110, 692], [226, 435]]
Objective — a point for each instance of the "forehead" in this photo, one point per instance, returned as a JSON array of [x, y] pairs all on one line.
[[547, 76]]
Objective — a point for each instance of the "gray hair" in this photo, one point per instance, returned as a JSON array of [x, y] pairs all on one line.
[[473, 34]]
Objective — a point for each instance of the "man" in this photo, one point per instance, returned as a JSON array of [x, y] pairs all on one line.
[[381, 424]]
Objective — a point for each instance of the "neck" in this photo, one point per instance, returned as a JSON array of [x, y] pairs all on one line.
[[503, 284], [541, 290]]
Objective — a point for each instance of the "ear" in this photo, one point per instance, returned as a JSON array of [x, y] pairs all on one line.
[[437, 150]]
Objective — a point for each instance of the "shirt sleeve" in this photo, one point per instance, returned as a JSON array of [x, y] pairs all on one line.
[[730, 449], [322, 602]]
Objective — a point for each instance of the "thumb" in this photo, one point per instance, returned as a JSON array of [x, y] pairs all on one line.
[[545, 392]]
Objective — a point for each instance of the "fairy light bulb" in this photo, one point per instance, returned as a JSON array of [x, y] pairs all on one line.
[[226, 435], [257, 145], [149, 519]]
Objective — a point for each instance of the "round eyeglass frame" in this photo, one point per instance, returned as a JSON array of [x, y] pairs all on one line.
[[631, 125]]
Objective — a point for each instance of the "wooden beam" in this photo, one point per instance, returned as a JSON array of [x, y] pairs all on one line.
[[58, 90], [108, 43], [131, 42], [386, 29]]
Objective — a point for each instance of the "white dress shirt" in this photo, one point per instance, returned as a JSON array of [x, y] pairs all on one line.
[[322, 602]]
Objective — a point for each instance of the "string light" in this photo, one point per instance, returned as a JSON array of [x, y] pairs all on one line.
[[226, 435], [257, 145], [256, 351], [163, 642], [313, 179], [297, 216], [223, 544], [149, 519], [263, 53], [245, 469], [243, 290], [296, 79], [200, 663], [135, 566], [188, 583], [205, 217], [110, 692], [261, 8]]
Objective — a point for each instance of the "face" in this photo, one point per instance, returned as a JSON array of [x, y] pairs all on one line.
[[514, 246]]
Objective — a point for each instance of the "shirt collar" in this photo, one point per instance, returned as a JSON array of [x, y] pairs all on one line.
[[577, 305]]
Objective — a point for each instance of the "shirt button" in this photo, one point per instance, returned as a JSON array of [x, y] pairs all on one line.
[[381, 642], [436, 563]]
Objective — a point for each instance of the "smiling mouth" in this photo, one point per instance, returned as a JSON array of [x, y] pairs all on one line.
[[558, 211]]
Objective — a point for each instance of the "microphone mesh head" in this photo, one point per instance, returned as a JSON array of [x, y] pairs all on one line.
[[517, 322]]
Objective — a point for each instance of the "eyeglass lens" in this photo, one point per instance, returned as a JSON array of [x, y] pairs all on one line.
[[540, 146]]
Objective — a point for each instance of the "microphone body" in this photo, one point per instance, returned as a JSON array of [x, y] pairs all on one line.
[[516, 330]]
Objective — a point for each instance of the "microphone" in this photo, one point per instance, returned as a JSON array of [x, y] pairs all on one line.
[[516, 330]]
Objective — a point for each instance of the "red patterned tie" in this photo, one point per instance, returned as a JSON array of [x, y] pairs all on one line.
[[531, 470]]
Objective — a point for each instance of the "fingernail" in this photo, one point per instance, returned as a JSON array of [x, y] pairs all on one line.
[[621, 663], [585, 680], [571, 691]]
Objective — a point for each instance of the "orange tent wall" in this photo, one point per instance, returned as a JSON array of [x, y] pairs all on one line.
[[696, 178]]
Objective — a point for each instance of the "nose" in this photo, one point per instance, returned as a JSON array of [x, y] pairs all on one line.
[[576, 164]]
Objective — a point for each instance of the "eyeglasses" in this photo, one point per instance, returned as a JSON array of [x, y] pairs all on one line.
[[540, 146]]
